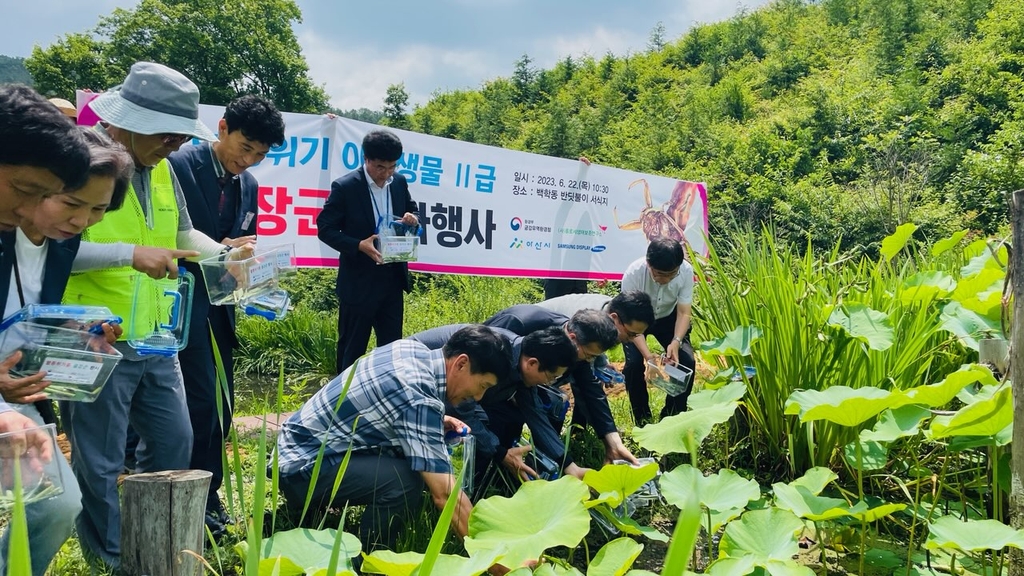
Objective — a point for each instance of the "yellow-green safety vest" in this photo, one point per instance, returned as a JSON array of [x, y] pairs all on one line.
[[115, 287]]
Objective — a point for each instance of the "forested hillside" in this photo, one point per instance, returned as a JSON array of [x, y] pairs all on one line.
[[831, 119], [12, 69]]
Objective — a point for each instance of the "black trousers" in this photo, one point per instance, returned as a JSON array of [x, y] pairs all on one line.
[[201, 389], [391, 491], [555, 287], [633, 372], [383, 314]]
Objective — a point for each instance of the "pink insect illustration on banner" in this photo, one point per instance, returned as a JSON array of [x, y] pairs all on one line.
[[670, 218]]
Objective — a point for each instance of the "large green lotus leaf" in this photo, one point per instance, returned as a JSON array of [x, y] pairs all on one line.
[[323, 572], [983, 418], [524, 571], [732, 566], [892, 244], [762, 535], [926, 286], [649, 573], [839, 404], [311, 549], [946, 244], [815, 479], [706, 398], [972, 536], [685, 430], [548, 569], [407, 563], [804, 504], [865, 324], [735, 342], [1002, 438], [941, 393], [863, 512], [967, 325], [896, 423], [627, 525], [988, 280], [720, 518], [873, 455], [988, 305], [556, 518], [620, 479], [279, 566], [721, 491], [984, 260], [615, 558]]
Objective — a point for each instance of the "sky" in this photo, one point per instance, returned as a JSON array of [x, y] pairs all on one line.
[[355, 50]]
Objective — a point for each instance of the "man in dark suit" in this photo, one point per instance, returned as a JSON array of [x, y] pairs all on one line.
[[221, 198], [361, 204]]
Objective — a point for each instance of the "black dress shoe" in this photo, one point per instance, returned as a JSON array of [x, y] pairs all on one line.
[[216, 521]]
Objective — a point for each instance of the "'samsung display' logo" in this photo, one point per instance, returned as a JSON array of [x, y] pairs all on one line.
[[598, 248], [515, 223]]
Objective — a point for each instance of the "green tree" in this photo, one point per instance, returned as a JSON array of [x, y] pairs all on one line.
[[656, 41], [395, 103], [13, 70], [524, 79], [227, 47]]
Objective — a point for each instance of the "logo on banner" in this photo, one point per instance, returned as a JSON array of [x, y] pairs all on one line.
[[529, 244], [598, 248], [516, 223], [516, 243]]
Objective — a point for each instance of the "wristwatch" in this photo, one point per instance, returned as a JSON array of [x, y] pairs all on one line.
[[678, 339]]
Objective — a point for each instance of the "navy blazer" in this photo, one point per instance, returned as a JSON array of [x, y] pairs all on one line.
[[59, 257], [193, 167], [348, 218]]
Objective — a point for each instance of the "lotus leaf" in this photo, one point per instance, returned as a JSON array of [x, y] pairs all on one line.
[[815, 479], [764, 537], [731, 392], [983, 418], [946, 244], [804, 504], [873, 455], [865, 513], [984, 260], [967, 325], [615, 558], [309, 549], [941, 393], [987, 280], [280, 566], [736, 342], [1002, 438], [896, 423], [678, 433], [971, 395], [865, 324], [892, 244], [720, 518], [972, 535], [839, 404], [620, 479], [927, 286], [407, 563], [556, 517], [627, 525], [549, 569], [723, 491]]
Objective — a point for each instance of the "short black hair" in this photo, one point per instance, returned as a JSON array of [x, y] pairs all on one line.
[[109, 159], [382, 145], [488, 351], [37, 134], [257, 118], [591, 326], [665, 254], [632, 306], [551, 346]]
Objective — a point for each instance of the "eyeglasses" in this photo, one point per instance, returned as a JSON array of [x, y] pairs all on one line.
[[630, 334], [172, 140], [666, 275]]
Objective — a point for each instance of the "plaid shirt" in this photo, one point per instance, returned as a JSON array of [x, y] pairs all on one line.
[[398, 394]]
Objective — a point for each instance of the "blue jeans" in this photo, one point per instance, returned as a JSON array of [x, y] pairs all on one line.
[[50, 521]]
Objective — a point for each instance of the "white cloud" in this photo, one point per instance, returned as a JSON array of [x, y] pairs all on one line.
[[595, 42], [359, 77]]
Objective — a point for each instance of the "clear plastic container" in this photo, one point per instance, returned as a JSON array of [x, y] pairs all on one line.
[[398, 243], [32, 454], [231, 279], [77, 362], [674, 379], [66, 316], [272, 305], [284, 256], [462, 449], [167, 332]]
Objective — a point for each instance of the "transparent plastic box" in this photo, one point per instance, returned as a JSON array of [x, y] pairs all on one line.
[[66, 316], [462, 449], [77, 362], [32, 454], [398, 248], [230, 279], [284, 256], [166, 332], [272, 305], [674, 379]]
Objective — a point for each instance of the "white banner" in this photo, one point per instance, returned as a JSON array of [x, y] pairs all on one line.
[[486, 210]]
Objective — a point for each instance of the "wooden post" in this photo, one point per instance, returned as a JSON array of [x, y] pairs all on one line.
[[1016, 270], [162, 515], [994, 352]]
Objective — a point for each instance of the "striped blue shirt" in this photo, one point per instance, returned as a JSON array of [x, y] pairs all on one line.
[[397, 393]]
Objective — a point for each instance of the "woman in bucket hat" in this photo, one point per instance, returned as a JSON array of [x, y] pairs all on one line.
[[152, 114]]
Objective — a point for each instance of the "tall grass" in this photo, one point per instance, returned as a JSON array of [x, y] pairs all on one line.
[[790, 297]]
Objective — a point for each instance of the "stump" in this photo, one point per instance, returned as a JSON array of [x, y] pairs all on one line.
[[161, 516]]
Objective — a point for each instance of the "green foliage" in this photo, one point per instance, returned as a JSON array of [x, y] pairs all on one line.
[[228, 48], [12, 70], [395, 102]]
